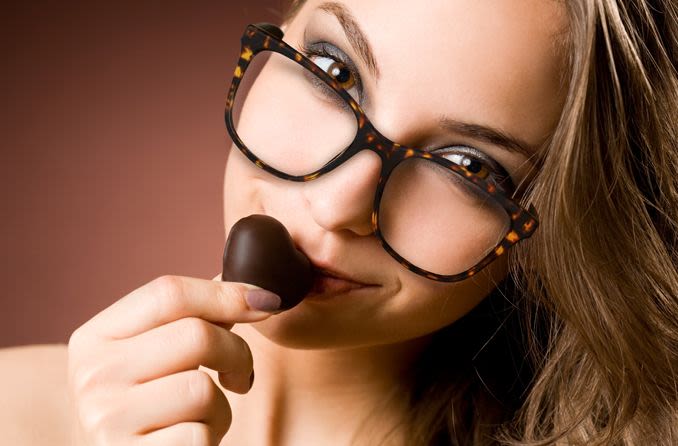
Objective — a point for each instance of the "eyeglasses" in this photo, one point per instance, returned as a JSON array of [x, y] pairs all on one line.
[[444, 216]]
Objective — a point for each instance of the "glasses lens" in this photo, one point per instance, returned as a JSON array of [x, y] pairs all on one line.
[[438, 220], [288, 117]]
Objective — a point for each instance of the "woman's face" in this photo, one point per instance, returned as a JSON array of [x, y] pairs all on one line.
[[434, 64]]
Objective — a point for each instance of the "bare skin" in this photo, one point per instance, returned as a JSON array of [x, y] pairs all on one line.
[[325, 366], [34, 390]]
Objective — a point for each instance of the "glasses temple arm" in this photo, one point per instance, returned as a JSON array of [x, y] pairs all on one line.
[[271, 29]]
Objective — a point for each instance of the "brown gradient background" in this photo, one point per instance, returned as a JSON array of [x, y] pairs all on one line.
[[113, 150]]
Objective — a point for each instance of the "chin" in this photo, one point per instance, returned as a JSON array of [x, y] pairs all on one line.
[[304, 328], [311, 327]]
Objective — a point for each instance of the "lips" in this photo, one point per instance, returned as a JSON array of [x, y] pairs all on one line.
[[327, 282], [329, 279]]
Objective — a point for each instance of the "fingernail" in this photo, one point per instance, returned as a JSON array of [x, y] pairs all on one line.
[[251, 379], [262, 300]]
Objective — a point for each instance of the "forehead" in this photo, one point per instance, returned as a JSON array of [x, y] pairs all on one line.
[[494, 62]]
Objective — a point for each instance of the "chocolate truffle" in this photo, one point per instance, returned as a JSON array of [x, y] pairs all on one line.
[[261, 252]]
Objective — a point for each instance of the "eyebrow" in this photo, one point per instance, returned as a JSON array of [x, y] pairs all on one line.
[[356, 37], [488, 134]]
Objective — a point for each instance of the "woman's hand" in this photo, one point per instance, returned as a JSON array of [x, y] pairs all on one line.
[[133, 368]]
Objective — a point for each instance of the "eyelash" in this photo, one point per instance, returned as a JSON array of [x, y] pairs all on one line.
[[497, 173]]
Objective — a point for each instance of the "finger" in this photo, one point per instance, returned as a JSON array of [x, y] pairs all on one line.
[[190, 396], [184, 345], [170, 298], [182, 434]]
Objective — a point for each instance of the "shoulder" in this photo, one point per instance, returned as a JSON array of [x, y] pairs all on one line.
[[33, 385]]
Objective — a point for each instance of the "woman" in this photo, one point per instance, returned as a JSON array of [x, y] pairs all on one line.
[[447, 336]]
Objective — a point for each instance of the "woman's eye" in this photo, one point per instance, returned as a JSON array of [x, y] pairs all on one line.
[[341, 72], [338, 65], [337, 71], [477, 163], [471, 164]]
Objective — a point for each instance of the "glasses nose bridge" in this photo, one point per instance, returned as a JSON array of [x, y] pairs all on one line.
[[371, 139]]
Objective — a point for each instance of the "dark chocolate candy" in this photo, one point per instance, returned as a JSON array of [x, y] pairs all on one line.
[[260, 251]]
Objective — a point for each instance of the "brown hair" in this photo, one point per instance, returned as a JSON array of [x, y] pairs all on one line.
[[580, 345], [606, 256]]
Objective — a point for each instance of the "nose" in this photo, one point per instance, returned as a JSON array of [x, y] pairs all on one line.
[[342, 199]]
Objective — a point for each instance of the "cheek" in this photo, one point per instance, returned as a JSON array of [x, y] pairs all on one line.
[[430, 306], [241, 194]]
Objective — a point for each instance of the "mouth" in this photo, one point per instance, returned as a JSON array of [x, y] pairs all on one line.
[[328, 282]]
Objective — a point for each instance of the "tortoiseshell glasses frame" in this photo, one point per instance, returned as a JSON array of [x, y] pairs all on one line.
[[267, 37]]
